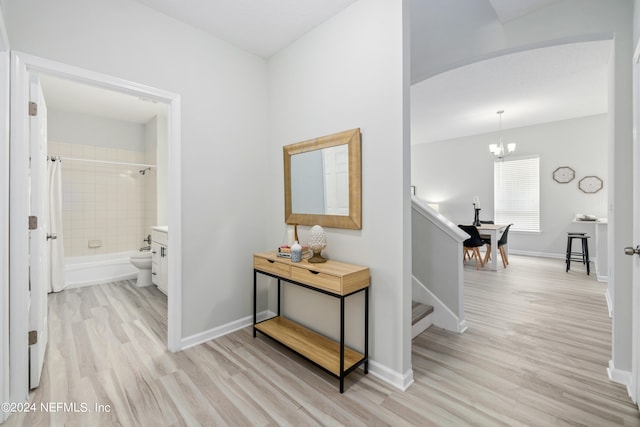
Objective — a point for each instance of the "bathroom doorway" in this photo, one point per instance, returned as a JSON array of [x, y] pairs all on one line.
[[25, 66], [111, 149], [107, 154]]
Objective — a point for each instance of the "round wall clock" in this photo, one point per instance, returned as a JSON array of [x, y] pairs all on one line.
[[590, 184], [564, 174]]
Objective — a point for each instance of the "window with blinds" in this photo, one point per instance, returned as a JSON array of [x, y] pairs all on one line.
[[516, 189]]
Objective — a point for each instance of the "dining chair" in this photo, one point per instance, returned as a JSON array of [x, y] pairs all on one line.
[[472, 245], [501, 242]]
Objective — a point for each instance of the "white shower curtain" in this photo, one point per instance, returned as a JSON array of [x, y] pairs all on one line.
[[56, 248]]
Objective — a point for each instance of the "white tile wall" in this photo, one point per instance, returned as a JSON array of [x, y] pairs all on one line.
[[111, 203]]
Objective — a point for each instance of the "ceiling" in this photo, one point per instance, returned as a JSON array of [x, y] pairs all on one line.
[[532, 87], [507, 10], [266, 26], [69, 96], [261, 27]]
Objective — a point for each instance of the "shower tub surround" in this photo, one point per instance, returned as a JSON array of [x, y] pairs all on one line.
[[106, 208]]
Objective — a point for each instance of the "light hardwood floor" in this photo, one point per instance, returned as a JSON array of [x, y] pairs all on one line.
[[535, 353]]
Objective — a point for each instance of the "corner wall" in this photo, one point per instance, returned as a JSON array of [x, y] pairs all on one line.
[[350, 72]]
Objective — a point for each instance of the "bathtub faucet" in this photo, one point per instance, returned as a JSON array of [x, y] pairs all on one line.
[[145, 248]]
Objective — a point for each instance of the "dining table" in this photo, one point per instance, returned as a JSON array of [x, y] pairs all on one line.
[[494, 232]]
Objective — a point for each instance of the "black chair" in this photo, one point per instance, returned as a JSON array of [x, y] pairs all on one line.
[[583, 255], [501, 242], [472, 244]]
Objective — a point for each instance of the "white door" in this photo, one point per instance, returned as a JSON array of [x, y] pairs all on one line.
[[38, 245], [635, 241], [336, 179]]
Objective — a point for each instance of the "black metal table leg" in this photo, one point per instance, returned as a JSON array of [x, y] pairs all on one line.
[[278, 296], [366, 330], [255, 303], [341, 344], [569, 249], [586, 255]]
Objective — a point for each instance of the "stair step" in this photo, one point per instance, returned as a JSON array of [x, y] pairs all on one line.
[[419, 311]]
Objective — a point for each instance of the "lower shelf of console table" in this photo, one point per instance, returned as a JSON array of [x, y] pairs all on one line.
[[332, 278], [317, 348]]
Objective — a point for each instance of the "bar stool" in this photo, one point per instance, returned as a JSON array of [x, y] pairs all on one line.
[[583, 255]]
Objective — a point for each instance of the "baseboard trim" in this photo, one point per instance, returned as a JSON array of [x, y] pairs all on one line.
[[619, 376], [537, 254], [393, 378], [607, 296], [220, 331], [443, 317]]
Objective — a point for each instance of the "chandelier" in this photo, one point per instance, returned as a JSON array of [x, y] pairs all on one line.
[[498, 150]]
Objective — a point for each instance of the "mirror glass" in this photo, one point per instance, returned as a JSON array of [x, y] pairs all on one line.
[[323, 181]]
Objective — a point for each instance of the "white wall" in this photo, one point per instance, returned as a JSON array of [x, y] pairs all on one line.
[[223, 99], [351, 72], [78, 128], [636, 22], [576, 20], [452, 172]]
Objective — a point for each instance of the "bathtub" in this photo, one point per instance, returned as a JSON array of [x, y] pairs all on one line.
[[94, 269]]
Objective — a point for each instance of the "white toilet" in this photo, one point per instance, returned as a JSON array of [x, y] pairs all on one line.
[[142, 261]]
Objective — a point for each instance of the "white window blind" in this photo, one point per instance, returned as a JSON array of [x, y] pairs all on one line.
[[516, 186]]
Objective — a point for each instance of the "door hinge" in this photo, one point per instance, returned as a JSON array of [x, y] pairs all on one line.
[[33, 222], [33, 109], [33, 337]]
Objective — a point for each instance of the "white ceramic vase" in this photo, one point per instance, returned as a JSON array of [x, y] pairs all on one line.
[[317, 242]]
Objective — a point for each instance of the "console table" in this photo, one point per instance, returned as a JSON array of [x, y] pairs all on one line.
[[336, 279]]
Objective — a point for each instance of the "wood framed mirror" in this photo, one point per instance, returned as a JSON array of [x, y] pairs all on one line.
[[323, 181]]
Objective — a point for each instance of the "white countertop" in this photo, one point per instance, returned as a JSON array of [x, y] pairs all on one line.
[[598, 221], [162, 228]]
